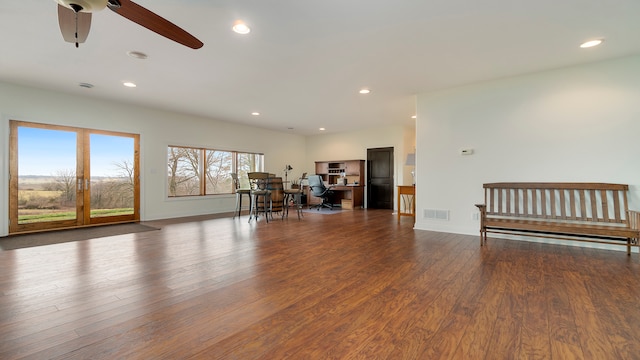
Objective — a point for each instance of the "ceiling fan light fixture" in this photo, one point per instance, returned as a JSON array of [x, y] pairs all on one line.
[[85, 5], [241, 28], [129, 84]]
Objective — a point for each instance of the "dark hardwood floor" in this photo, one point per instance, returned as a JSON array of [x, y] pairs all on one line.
[[354, 285]]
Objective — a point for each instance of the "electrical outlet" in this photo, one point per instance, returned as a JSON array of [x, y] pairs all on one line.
[[475, 216]]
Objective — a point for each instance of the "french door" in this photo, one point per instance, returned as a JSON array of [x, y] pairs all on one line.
[[62, 177]]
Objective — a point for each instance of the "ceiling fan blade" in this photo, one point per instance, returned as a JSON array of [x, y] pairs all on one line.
[[67, 22], [155, 23]]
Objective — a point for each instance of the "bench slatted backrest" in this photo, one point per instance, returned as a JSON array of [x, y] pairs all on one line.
[[588, 202]]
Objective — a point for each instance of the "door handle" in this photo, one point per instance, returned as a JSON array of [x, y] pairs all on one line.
[[80, 183]]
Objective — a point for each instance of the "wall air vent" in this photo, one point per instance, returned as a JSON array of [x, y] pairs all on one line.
[[434, 214]]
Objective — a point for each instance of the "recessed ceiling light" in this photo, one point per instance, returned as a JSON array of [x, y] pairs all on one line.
[[129, 84], [137, 55], [414, 117], [241, 28], [322, 129], [591, 43], [255, 113], [364, 91]]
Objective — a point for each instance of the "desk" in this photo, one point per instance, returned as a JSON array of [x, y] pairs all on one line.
[[407, 201], [355, 193]]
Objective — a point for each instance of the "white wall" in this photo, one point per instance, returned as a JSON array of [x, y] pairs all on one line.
[[574, 124], [354, 145], [157, 130]]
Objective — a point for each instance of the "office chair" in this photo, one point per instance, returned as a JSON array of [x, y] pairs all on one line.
[[319, 190]]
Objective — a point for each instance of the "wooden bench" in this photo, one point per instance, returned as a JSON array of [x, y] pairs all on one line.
[[593, 212]]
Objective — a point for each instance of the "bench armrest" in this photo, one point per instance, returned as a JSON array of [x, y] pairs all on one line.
[[634, 219]]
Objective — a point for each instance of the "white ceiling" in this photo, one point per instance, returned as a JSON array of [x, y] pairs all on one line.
[[303, 63]]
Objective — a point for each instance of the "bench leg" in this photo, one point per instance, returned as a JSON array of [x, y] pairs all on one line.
[[629, 246]]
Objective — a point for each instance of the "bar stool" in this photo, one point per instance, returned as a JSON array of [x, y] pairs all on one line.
[[239, 192], [259, 192], [295, 195]]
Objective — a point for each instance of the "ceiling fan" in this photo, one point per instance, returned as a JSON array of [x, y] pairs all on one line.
[[74, 17]]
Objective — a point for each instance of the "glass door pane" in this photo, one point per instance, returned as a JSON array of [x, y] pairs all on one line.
[[46, 175], [63, 177], [112, 176]]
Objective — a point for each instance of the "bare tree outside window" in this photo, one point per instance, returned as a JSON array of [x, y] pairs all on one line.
[[185, 166], [219, 165], [246, 163], [65, 183], [184, 171]]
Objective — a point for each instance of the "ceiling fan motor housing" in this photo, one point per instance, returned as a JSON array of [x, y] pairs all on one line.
[[86, 5]]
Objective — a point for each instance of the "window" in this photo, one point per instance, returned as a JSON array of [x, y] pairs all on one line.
[[199, 171]]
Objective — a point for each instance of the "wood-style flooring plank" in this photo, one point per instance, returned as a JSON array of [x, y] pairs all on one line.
[[535, 340], [352, 285]]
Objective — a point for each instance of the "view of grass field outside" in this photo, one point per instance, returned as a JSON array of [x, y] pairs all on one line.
[[112, 175], [48, 184]]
